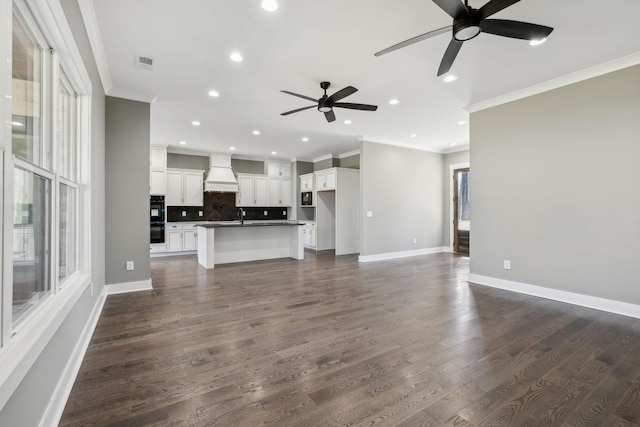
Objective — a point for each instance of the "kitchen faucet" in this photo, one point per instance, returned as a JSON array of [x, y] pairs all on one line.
[[241, 214]]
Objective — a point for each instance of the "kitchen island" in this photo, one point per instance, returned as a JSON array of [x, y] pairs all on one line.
[[234, 241]]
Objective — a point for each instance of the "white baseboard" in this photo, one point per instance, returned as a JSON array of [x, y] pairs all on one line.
[[56, 406], [597, 303], [122, 288], [165, 254], [402, 254]]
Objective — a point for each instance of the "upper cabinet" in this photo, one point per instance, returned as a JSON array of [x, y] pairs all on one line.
[[158, 171], [280, 192], [277, 168], [252, 190], [184, 187], [326, 179], [306, 183], [158, 157]]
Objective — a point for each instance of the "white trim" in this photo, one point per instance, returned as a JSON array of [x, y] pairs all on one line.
[[55, 408], [401, 254], [164, 254], [578, 76], [349, 154], [321, 158], [588, 301], [95, 40], [451, 169], [25, 347], [123, 288], [457, 148]]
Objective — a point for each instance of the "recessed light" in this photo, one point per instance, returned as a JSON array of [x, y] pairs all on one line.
[[273, 153], [462, 122], [413, 135], [195, 123], [305, 139], [347, 122], [537, 42], [236, 57], [270, 5], [450, 78], [232, 148], [256, 132], [214, 93], [394, 102], [183, 142]]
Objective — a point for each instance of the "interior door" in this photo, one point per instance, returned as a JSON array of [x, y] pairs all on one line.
[[461, 211]]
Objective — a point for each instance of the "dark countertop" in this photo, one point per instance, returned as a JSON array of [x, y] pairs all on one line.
[[251, 223]]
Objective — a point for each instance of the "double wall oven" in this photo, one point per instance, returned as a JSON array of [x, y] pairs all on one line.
[[156, 219]]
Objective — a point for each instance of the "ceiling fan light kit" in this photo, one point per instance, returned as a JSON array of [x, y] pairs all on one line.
[[469, 23]]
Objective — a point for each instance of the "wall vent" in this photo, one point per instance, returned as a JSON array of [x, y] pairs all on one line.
[[145, 62]]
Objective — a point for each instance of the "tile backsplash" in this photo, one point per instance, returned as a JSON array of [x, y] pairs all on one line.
[[220, 207]]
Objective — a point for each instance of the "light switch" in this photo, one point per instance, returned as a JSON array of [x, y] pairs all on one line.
[[369, 214]]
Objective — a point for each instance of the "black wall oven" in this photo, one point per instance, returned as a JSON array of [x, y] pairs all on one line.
[[157, 232], [156, 219]]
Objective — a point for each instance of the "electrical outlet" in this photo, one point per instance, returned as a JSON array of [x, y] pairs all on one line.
[[284, 213], [200, 213], [184, 213], [369, 214], [507, 264], [265, 213], [415, 240], [129, 265]]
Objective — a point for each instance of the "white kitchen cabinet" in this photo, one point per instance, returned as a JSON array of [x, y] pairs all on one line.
[[173, 238], [277, 168], [252, 190], [158, 157], [189, 238], [280, 192], [306, 183], [326, 179], [158, 182], [309, 235], [181, 237], [184, 188]]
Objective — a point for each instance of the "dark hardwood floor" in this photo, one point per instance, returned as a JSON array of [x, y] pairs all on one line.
[[329, 342]]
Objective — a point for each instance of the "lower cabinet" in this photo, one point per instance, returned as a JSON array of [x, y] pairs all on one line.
[[309, 235], [181, 237]]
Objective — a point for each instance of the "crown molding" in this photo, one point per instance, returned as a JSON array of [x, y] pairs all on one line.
[[88, 13], [578, 76]]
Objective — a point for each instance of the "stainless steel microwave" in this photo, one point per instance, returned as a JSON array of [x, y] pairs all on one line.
[[306, 198]]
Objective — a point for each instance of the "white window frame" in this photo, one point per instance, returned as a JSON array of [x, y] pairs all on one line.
[[20, 348]]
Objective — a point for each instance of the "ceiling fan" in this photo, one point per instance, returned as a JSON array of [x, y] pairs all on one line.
[[327, 103], [469, 22]]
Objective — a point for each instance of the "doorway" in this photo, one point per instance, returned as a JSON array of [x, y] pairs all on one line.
[[461, 211]]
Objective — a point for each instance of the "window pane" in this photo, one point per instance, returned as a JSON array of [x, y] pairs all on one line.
[[31, 241], [66, 140], [463, 201], [26, 95], [67, 249]]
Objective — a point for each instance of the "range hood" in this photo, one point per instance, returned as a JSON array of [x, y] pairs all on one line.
[[220, 176]]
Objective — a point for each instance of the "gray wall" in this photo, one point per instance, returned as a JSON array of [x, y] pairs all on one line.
[[403, 188], [351, 162], [554, 188], [449, 159], [326, 164], [27, 405], [127, 189], [186, 161]]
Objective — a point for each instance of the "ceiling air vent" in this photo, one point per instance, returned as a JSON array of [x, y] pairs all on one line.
[[145, 62]]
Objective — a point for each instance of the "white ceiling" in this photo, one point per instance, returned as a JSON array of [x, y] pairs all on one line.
[[308, 41]]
